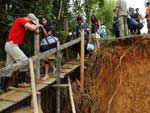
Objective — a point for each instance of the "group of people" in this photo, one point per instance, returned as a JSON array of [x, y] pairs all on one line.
[[30, 22], [123, 20], [127, 21], [134, 21], [95, 32], [15, 39]]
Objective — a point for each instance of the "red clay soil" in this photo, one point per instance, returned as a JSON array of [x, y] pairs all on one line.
[[118, 80]]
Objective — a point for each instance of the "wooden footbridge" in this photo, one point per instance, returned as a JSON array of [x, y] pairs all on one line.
[[17, 95], [10, 99]]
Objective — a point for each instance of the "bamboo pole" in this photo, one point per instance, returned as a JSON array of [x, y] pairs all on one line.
[[58, 76], [9, 69], [33, 87], [65, 27], [66, 33], [60, 10], [39, 102], [82, 62], [36, 52], [71, 96]]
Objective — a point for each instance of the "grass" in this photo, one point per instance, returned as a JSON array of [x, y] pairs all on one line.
[[108, 38]]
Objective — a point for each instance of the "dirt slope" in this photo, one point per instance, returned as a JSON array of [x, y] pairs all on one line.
[[118, 79]]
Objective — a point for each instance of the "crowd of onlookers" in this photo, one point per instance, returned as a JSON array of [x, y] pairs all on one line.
[[129, 21], [134, 22]]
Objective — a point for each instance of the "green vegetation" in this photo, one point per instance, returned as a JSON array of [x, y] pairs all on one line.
[[10, 9]]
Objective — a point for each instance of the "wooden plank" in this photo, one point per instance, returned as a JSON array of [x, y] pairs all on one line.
[[17, 96], [60, 85], [69, 66], [74, 62], [4, 105], [73, 68], [14, 96], [27, 90], [66, 67], [24, 110], [7, 99], [47, 82], [9, 69]]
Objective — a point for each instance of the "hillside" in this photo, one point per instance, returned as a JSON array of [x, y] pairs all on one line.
[[118, 78]]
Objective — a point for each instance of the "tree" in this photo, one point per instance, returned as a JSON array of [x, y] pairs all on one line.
[[105, 13], [91, 7], [10, 9]]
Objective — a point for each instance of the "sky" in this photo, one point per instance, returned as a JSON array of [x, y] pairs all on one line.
[[141, 5]]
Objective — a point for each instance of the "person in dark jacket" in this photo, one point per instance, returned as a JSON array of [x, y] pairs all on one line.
[[48, 39], [81, 25]]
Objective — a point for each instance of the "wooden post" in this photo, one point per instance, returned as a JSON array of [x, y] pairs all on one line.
[[39, 102], [58, 76], [71, 96], [65, 26], [33, 87], [65, 35], [82, 61], [36, 51]]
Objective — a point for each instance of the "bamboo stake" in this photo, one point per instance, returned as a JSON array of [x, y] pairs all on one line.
[[60, 10], [39, 102], [82, 61], [33, 87], [71, 96], [58, 76], [36, 52]]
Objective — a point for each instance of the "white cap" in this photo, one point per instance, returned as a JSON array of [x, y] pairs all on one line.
[[33, 18]]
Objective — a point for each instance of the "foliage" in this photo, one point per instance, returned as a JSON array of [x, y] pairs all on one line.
[[10, 9], [92, 6], [105, 13]]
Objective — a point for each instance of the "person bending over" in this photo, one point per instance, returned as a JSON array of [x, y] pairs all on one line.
[[12, 47]]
